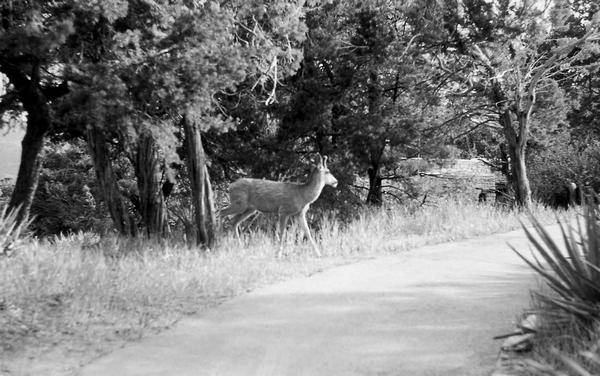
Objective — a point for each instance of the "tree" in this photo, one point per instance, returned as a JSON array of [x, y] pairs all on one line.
[[359, 93], [517, 56], [125, 74], [221, 50], [33, 39], [515, 92], [584, 87]]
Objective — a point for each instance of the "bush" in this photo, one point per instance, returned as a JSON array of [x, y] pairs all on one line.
[[563, 162], [65, 200]]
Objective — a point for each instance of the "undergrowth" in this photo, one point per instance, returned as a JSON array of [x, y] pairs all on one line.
[[68, 299]]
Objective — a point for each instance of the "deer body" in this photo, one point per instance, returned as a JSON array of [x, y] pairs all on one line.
[[284, 198]]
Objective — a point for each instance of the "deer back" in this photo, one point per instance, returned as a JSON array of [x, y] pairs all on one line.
[[267, 195]]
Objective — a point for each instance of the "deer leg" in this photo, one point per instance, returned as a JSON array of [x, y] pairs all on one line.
[[239, 218], [302, 219], [283, 219], [223, 213]]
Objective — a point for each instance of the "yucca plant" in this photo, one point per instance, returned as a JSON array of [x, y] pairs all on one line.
[[572, 270], [12, 232]]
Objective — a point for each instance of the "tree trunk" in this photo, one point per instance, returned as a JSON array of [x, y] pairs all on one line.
[[149, 176], [518, 176], [516, 152], [374, 90], [504, 165], [202, 195], [39, 120], [111, 195], [38, 123], [375, 195]]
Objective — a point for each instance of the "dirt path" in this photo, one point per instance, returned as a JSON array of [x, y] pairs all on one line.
[[432, 311]]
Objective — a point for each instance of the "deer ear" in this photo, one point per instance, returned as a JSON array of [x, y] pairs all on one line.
[[325, 161], [319, 160]]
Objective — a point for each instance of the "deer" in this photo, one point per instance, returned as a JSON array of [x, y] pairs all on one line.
[[287, 199]]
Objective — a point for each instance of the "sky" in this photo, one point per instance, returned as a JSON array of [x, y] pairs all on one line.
[[10, 143], [10, 151]]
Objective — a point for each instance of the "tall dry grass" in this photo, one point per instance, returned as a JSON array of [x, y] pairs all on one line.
[[65, 300]]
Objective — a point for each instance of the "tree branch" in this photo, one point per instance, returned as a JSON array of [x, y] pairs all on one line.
[[393, 195], [472, 129], [53, 92]]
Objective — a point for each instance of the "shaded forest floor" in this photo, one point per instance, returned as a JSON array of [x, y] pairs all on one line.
[[71, 299]]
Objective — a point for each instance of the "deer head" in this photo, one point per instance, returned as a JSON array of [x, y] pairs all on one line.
[[323, 171]]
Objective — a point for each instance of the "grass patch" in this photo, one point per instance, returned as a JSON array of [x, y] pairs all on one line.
[[67, 300]]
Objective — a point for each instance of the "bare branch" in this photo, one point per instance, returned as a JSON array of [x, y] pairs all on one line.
[[393, 195], [272, 95], [493, 166], [408, 46], [483, 58], [474, 128], [475, 111], [359, 187]]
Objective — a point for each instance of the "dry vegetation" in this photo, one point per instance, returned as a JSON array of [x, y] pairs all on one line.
[[564, 346], [69, 299]]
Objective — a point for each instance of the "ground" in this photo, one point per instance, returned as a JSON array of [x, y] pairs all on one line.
[[432, 311]]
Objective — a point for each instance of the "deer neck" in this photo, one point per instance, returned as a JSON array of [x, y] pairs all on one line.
[[313, 187]]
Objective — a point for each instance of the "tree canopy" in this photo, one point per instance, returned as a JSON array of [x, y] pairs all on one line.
[[175, 96]]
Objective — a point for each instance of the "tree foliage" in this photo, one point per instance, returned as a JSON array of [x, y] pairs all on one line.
[[187, 94]]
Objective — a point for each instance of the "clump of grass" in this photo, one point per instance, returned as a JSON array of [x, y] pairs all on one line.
[[402, 228], [564, 344], [13, 233], [66, 299], [572, 350]]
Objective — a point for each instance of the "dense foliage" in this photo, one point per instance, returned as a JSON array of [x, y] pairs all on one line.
[[65, 201], [152, 103]]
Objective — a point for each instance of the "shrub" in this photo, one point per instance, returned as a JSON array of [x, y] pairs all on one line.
[[569, 339], [574, 276], [65, 200], [552, 168]]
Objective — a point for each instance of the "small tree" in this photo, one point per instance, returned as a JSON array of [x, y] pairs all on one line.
[[516, 82]]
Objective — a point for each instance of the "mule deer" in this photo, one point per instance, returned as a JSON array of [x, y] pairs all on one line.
[[248, 196]]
